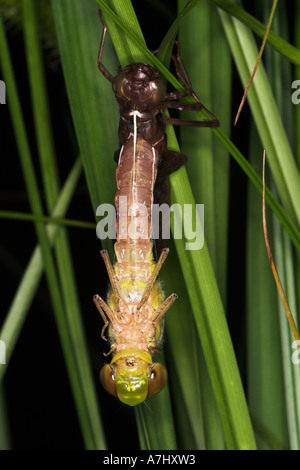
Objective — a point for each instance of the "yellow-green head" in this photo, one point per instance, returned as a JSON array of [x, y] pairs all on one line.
[[131, 376]]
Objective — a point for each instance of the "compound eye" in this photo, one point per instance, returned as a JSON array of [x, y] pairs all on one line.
[[107, 380], [158, 379]]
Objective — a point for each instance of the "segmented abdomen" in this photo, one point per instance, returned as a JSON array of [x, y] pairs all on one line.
[[136, 174]]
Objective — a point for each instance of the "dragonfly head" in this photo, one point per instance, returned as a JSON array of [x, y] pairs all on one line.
[[138, 86], [131, 376]]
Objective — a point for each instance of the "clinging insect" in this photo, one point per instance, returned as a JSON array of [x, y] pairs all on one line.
[[133, 313]]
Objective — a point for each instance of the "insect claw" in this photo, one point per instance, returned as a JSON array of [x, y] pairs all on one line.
[[103, 329], [112, 349]]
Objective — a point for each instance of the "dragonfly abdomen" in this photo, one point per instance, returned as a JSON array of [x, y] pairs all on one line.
[[136, 174]]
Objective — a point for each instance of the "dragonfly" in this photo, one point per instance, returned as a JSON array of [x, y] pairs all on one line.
[[133, 313]]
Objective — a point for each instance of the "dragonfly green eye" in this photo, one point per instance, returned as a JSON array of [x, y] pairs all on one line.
[[158, 379], [132, 390], [107, 380]]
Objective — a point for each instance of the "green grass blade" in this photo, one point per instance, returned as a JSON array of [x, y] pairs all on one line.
[[283, 251], [208, 164], [183, 358], [27, 166], [17, 313], [265, 389], [30, 180], [124, 30], [41, 114], [291, 374], [139, 45], [155, 423], [40, 105], [4, 426], [272, 378], [93, 108], [281, 214], [166, 47], [36, 206], [266, 115], [44, 218], [296, 116], [297, 77], [279, 44], [212, 328]]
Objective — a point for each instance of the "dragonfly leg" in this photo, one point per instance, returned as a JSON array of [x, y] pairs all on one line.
[[106, 322], [111, 274], [153, 277], [213, 122], [185, 80], [162, 309], [112, 349], [104, 310], [191, 122], [101, 67]]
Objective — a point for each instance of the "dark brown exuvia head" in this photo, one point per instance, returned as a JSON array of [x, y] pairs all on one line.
[[138, 87]]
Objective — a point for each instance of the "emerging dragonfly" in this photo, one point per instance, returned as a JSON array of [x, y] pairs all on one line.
[[135, 306]]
